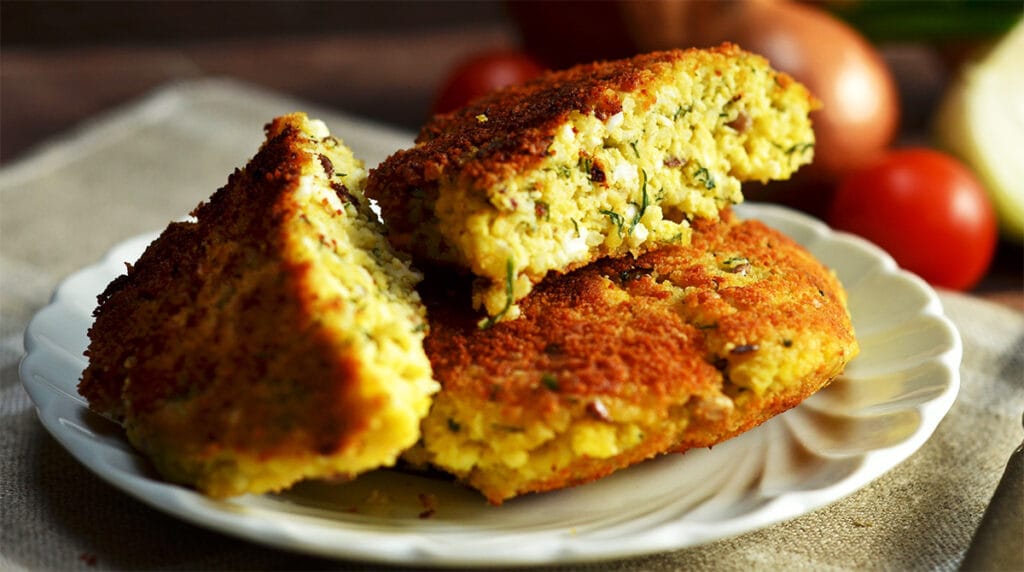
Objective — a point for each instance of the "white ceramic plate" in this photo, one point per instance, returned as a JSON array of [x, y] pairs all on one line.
[[883, 409]]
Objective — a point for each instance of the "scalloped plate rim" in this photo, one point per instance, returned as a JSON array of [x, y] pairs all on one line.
[[346, 541]]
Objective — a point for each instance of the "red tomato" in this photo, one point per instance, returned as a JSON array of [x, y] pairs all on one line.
[[926, 209], [483, 73]]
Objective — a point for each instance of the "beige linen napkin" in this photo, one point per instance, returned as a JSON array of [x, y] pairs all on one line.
[[139, 167]]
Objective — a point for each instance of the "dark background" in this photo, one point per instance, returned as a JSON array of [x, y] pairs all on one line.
[[64, 62]]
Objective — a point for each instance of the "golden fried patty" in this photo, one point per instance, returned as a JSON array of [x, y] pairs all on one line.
[[628, 358], [277, 337], [599, 160]]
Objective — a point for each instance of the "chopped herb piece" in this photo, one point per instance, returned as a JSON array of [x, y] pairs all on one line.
[[635, 150], [643, 203], [564, 171], [681, 111], [454, 425], [592, 169], [550, 381], [711, 326], [585, 164], [799, 148], [704, 176], [510, 270], [616, 218], [787, 343], [576, 226]]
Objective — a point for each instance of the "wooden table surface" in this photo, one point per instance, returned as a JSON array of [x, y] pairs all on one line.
[[383, 74]]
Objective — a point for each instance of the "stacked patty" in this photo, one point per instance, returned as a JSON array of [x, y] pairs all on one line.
[[277, 337], [627, 312], [600, 160], [593, 302], [627, 358]]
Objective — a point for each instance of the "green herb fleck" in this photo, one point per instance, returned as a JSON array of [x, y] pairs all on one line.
[[681, 111], [576, 226], [454, 425], [616, 218], [643, 203], [635, 150], [510, 270], [585, 164], [550, 381], [799, 148], [704, 176]]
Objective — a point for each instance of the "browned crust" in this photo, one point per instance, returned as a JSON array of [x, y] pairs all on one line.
[[619, 329], [214, 328], [614, 344], [521, 122]]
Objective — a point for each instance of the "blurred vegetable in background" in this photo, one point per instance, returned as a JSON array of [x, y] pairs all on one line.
[[482, 73], [934, 21], [982, 121], [925, 209]]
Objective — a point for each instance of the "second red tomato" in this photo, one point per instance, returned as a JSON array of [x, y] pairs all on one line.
[[927, 210], [484, 73]]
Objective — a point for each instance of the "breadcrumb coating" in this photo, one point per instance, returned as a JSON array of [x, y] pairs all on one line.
[[605, 159], [276, 337], [626, 359]]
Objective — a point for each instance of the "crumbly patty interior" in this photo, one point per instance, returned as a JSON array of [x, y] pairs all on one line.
[[276, 338], [626, 359], [669, 141]]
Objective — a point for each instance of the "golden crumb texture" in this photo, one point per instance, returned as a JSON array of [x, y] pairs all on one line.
[[276, 337], [627, 359], [599, 160]]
